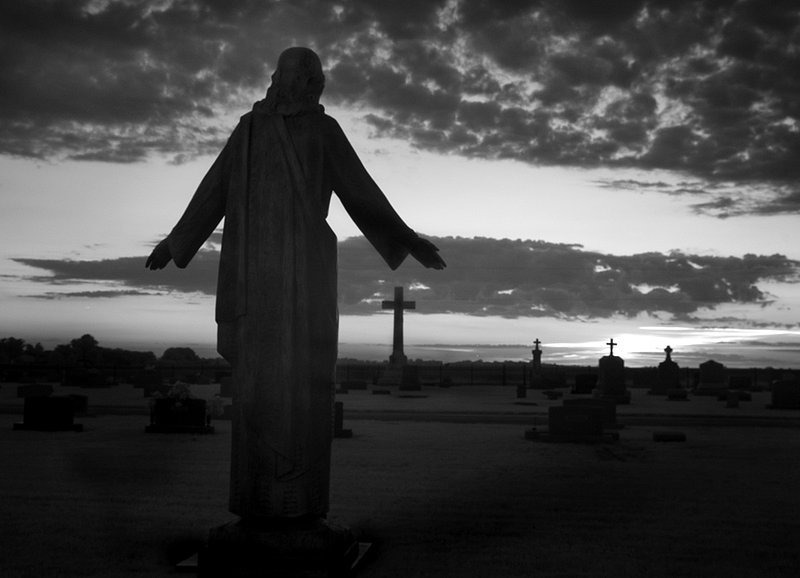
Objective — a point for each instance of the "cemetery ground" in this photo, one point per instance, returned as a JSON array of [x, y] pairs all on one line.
[[442, 481]]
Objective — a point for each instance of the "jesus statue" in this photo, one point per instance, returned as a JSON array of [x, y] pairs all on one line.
[[276, 307]]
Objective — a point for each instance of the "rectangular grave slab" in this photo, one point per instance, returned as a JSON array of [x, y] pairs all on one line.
[[607, 406], [179, 416], [576, 421], [51, 413]]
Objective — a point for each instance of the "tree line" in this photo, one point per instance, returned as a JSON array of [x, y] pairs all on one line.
[[87, 351]]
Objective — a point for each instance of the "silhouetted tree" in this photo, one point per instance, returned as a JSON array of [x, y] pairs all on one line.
[[86, 350], [179, 355]]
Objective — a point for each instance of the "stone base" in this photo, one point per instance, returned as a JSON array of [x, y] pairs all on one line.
[[77, 427], [292, 548]]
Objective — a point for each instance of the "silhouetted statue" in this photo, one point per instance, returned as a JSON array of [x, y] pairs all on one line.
[[276, 291]]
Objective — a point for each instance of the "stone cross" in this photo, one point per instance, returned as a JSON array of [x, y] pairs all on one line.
[[612, 344], [668, 351], [397, 304], [537, 356]]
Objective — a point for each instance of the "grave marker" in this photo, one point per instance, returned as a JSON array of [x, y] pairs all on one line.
[[50, 413]]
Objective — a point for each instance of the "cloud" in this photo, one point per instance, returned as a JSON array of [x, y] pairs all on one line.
[[697, 87], [91, 294], [511, 278]]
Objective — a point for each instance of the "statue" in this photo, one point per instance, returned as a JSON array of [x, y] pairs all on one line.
[[276, 308]]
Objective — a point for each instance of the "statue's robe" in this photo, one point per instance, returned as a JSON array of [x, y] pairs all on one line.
[[276, 295]]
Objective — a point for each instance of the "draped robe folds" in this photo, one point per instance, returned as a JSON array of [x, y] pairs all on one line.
[[276, 296]]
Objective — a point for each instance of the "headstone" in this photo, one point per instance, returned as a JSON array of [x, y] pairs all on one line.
[[357, 384], [170, 415], [575, 422], [338, 422], [402, 375], [607, 406], [713, 379], [668, 377], [536, 358], [51, 413], [611, 379], [785, 394], [585, 383]]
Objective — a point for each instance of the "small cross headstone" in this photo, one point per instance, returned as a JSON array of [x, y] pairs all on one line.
[[611, 383], [536, 362], [668, 378]]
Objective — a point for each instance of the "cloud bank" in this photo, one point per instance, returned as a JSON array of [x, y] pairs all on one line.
[[704, 88], [511, 278]]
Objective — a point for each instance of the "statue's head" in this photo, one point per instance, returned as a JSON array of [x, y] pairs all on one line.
[[297, 82]]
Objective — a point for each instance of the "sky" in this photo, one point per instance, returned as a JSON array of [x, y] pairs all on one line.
[[625, 169]]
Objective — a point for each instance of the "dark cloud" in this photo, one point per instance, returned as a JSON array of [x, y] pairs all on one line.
[[512, 278], [91, 294], [705, 88]]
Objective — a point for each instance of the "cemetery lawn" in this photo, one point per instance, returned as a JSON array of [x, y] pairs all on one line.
[[437, 498]]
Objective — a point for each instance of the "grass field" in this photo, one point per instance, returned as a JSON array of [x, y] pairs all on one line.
[[437, 499]]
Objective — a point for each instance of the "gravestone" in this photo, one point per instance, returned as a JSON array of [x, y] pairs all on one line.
[[611, 379], [668, 376], [785, 394], [338, 422], [585, 383], [170, 415], [574, 423], [713, 379], [607, 406], [536, 366], [402, 375], [356, 384], [50, 413]]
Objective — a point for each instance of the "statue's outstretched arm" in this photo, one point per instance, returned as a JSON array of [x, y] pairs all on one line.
[[427, 253], [160, 256]]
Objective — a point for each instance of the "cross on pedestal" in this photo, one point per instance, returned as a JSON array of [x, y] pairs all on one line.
[[668, 351], [537, 356], [612, 344], [398, 357]]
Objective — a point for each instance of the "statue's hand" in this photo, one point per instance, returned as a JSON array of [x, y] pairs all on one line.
[[160, 256], [427, 253]]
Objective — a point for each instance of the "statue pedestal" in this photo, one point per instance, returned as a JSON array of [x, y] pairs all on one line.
[[292, 548]]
